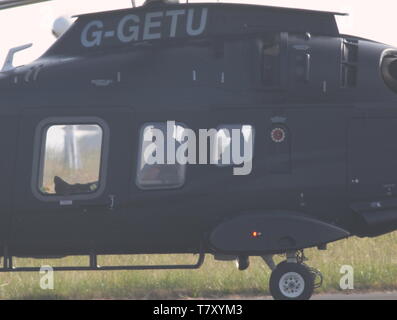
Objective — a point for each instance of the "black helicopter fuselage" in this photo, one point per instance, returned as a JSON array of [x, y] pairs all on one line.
[[332, 175]]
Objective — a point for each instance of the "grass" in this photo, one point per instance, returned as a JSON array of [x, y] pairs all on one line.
[[374, 262]]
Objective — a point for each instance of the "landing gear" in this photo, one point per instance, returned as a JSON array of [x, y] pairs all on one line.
[[243, 263], [293, 280]]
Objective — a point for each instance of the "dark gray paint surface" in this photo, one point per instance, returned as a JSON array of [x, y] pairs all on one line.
[[336, 135]]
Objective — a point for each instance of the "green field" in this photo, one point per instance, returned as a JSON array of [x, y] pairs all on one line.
[[374, 262]]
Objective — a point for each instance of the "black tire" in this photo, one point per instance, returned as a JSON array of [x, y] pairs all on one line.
[[243, 263], [298, 282]]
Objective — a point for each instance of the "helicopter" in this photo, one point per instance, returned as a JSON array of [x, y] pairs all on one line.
[[315, 109]]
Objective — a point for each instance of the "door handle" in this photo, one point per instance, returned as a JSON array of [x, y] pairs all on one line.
[[308, 62], [108, 205]]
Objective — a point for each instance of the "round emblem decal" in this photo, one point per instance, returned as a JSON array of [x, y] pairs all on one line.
[[278, 135]]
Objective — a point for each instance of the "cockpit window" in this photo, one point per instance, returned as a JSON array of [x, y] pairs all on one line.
[[71, 159], [158, 167]]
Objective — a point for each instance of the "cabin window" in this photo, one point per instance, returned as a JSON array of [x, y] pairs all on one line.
[[71, 159], [158, 167], [227, 152]]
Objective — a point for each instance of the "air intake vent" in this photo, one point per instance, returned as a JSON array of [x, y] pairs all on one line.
[[389, 70], [349, 63]]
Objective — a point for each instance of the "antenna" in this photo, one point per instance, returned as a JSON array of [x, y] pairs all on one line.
[[133, 3], [8, 64]]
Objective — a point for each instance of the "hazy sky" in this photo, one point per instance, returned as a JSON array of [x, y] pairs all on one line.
[[33, 24]]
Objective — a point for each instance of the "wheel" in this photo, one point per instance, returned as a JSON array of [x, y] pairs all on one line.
[[291, 281], [243, 263]]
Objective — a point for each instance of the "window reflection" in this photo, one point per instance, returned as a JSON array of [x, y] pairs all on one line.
[[71, 159]]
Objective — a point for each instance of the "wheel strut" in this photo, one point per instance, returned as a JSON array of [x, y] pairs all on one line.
[[269, 261]]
